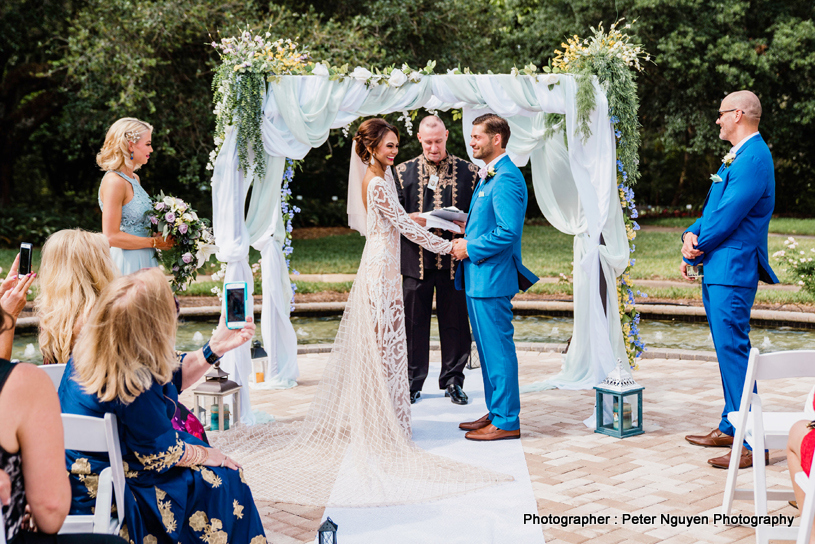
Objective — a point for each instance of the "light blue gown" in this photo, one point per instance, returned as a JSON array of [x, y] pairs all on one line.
[[133, 222]]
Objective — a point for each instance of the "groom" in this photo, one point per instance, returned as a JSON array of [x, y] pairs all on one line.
[[491, 273]]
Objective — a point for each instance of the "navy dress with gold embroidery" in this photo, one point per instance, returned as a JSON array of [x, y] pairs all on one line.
[[163, 502]]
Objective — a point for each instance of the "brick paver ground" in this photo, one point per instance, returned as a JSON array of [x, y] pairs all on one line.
[[575, 471]]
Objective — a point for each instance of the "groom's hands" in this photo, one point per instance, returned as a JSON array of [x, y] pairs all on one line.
[[459, 249]]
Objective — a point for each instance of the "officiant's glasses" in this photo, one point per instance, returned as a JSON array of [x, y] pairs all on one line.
[[722, 112]]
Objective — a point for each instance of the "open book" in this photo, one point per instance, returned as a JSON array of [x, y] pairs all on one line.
[[443, 219]]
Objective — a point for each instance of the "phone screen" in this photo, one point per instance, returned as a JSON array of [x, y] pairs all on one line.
[[235, 305], [25, 260]]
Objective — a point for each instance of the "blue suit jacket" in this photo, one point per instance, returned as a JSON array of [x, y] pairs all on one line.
[[494, 228], [736, 217]]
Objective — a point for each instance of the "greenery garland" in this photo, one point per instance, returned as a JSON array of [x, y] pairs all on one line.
[[614, 60]]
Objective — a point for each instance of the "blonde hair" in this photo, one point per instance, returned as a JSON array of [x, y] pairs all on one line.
[[115, 152], [76, 266], [128, 342]]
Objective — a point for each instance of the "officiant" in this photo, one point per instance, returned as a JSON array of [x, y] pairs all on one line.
[[433, 180]]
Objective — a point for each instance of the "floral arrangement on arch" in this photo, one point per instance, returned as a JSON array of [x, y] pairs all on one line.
[[614, 59], [798, 264], [194, 243]]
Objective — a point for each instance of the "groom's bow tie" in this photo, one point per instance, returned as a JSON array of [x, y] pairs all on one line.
[[482, 173]]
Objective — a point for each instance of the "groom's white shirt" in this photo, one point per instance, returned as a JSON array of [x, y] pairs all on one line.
[[494, 161]]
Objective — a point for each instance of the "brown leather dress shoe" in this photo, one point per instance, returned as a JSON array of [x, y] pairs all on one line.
[[746, 460], [713, 439], [475, 425], [491, 432]]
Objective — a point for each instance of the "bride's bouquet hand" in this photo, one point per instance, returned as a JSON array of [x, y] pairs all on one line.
[[162, 243]]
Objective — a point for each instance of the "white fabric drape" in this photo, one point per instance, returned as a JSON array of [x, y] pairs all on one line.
[[575, 185]]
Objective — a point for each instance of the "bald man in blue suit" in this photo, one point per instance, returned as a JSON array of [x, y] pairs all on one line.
[[730, 241], [491, 273]]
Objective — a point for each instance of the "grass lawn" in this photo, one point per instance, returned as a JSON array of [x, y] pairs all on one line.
[[781, 225], [547, 252]]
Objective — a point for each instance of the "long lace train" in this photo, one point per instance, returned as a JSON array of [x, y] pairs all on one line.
[[354, 447]]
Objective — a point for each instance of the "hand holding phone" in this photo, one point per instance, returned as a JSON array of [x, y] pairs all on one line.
[[235, 297], [24, 267]]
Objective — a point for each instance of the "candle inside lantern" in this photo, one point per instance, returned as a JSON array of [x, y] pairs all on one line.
[[259, 377], [627, 419]]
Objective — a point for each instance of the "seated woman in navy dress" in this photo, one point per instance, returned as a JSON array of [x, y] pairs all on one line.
[[178, 490]]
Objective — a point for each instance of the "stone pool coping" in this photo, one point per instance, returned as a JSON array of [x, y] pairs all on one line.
[[524, 307]]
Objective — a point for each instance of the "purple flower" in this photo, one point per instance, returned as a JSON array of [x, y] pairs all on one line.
[[182, 206], [159, 206], [175, 268], [187, 258], [154, 219], [169, 217], [182, 228]]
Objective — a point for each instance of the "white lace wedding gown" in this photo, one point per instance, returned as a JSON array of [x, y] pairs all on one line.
[[354, 447]]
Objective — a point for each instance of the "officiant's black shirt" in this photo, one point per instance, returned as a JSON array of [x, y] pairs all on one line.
[[457, 180]]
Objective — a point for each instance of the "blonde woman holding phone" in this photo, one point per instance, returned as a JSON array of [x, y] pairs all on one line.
[[122, 199]]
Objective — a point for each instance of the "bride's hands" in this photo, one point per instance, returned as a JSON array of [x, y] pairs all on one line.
[[217, 459]]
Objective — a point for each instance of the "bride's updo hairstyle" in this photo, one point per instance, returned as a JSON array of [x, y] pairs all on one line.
[[115, 151], [370, 135]]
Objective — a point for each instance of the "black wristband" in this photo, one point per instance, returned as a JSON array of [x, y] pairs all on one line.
[[209, 356]]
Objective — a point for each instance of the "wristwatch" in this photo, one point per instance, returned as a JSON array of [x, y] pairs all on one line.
[[209, 355]]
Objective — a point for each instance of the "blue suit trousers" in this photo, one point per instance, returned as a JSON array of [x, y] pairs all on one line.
[[728, 313], [491, 320]]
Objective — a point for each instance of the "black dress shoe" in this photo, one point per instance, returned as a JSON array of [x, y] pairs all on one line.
[[414, 396], [457, 396]]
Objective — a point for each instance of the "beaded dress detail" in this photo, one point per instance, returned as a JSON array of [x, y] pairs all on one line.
[[133, 222]]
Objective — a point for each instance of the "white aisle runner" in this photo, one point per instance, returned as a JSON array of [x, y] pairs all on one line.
[[491, 515]]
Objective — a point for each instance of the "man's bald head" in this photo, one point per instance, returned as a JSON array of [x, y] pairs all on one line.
[[747, 102], [433, 137], [431, 121]]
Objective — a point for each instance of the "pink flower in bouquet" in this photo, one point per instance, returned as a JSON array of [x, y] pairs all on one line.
[[187, 258], [170, 217], [154, 219], [159, 206], [181, 206], [182, 228]]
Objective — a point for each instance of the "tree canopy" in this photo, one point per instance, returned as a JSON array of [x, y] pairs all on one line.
[[70, 68]]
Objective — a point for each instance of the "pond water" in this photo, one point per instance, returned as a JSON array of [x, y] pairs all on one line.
[[657, 334]]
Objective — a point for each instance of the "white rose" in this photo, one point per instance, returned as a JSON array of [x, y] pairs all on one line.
[[186, 217], [398, 78], [415, 76], [320, 70], [360, 74], [547, 79], [168, 200]]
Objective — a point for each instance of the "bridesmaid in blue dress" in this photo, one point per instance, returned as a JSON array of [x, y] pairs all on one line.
[[178, 490], [122, 199]]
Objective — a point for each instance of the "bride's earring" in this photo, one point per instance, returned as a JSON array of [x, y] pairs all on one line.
[[373, 159]]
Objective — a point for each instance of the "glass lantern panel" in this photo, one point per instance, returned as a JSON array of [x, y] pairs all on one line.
[[609, 417], [631, 405]]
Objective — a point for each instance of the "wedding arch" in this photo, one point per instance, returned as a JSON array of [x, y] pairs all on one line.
[[270, 113]]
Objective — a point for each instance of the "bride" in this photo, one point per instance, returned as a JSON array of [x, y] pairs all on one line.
[[354, 447]]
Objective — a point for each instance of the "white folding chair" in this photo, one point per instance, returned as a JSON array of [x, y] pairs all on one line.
[[802, 533], [2, 528], [93, 434], [54, 372], [763, 430]]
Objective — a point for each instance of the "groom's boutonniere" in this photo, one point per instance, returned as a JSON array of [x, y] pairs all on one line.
[[716, 178], [728, 159], [490, 172]]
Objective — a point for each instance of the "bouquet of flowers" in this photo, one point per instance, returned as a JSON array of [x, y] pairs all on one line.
[[194, 242]]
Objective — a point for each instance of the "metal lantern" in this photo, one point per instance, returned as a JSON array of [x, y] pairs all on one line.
[[259, 357], [625, 396], [216, 386], [327, 533]]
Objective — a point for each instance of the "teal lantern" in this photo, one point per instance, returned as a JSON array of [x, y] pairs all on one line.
[[623, 395], [327, 533]]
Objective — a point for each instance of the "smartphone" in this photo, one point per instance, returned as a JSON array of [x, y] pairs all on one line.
[[695, 271], [25, 259], [235, 296]]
